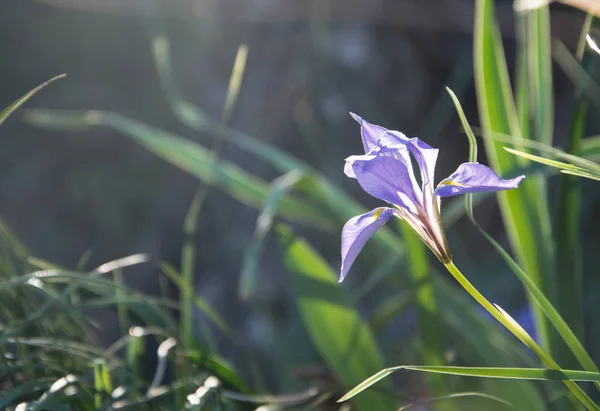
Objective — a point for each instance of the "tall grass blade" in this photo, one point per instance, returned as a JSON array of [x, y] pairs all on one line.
[[524, 211], [567, 219]]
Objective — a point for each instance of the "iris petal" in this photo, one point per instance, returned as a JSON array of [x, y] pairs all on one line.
[[356, 233], [474, 178], [385, 173], [374, 135], [426, 157]]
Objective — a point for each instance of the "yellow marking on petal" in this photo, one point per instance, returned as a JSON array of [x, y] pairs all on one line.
[[452, 183], [377, 213]]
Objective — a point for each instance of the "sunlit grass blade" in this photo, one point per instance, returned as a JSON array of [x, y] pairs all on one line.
[[481, 372], [337, 330], [590, 149], [525, 212], [564, 167], [188, 265], [472, 143], [235, 82], [581, 174], [541, 101], [543, 160], [4, 114]]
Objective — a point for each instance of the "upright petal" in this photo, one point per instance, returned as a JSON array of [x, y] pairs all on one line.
[[373, 135], [385, 173], [474, 178], [357, 231], [426, 157]]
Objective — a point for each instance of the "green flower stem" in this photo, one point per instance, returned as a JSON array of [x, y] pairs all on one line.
[[521, 334]]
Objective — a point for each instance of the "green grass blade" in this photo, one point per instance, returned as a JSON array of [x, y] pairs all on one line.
[[567, 222], [188, 266], [524, 211], [481, 372], [472, 143], [581, 174], [4, 114], [337, 330], [235, 82], [552, 163], [540, 74]]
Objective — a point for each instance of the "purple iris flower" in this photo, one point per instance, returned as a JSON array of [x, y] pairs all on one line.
[[385, 171]]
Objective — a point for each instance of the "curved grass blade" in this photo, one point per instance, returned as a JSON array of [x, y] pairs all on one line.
[[481, 372], [524, 211], [472, 143], [4, 114], [564, 167], [581, 174]]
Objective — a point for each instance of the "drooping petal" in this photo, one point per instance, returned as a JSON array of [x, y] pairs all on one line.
[[385, 173], [374, 135], [357, 231], [474, 178]]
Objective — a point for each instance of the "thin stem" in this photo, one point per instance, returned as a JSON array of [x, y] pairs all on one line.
[[519, 333]]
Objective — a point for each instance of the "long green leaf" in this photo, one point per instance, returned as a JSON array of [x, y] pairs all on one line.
[[567, 218], [546, 161], [481, 372], [337, 330], [524, 211]]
